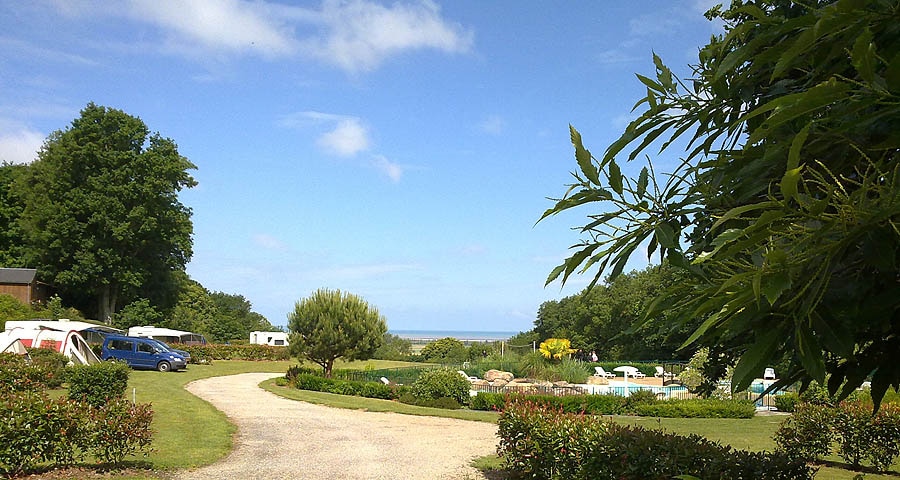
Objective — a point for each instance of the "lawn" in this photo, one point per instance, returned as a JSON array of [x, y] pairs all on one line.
[[191, 433]]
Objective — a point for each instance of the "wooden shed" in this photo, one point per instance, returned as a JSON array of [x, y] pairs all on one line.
[[22, 284]]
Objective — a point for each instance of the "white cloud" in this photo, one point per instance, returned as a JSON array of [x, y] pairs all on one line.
[[218, 25], [354, 35], [361, 272], [394, 171], [348, 138], [268, 242], [360, 35], [493, 125], [19, 144]]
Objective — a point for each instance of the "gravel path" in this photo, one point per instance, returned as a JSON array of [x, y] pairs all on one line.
[[285, 439]]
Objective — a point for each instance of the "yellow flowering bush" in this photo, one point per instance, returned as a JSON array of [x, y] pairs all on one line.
[[556, 348]]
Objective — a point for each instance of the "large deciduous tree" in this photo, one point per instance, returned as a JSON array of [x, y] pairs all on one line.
[[785, 211], [332, 324], [12, 245], [102, 214]]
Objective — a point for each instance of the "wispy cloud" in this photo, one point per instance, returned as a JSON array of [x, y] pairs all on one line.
[[231, 26], [19, 143], [359, 35], [393, 170], [344, 136], [268, 242], [353, 35], [493, 125], [363, 272], [348, 137]]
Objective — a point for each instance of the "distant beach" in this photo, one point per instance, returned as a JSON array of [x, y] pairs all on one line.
[[461, 335]]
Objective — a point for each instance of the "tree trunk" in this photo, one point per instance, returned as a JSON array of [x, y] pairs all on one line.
[[329, 365], [106, 302]]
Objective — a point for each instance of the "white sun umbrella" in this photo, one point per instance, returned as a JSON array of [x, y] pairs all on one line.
[[626, 370]]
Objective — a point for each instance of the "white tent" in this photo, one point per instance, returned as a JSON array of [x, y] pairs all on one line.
[[61, 336], [11, 344]]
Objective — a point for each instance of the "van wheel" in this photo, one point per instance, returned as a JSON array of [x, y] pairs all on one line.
[[164, 366]]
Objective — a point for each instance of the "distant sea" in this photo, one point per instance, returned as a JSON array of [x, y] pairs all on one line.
[[457, 334]]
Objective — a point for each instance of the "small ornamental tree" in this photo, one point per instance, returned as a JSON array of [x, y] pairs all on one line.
[[556, 348], [332, 324], [444, 350]]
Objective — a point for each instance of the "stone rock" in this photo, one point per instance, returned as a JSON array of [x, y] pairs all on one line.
[[562, 383], [480, 383], [499, 382], [521, 380], [492, 375], [592, 380]]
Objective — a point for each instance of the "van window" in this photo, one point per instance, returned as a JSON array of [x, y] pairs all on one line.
[[121, 345], [145, 347]]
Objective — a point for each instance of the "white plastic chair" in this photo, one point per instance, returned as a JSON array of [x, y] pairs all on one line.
[[661, 373], [769, 374], [600, 372]]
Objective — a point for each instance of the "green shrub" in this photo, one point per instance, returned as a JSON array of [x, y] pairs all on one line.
[[487, 401], [787, 402], [697, 408], [435, 384], [16, 375], [52, 362], [541, 442], [35, 429], [446, 403], [316, 383], [118, 429], [807, 434], [637, 398], [203, 354], [864, 436], [96, 384]]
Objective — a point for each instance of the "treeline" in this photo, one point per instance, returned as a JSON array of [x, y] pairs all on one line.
[[609, 319], [97, 215]]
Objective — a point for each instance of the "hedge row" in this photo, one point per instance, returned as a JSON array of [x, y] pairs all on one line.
[[201, 354], [849, 429], [543, 443], [643, 405], [316, 383], [35, 429]]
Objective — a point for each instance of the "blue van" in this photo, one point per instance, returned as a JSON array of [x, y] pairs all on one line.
[[140, 352]]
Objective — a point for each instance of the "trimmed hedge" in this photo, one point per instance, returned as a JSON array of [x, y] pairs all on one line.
[[698, 408], [543, 443], [644, 405], [202, 354], [35, 429], [858, 434], [305, 381], [97, 384]]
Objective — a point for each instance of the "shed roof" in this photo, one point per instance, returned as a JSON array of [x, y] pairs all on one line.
[[24, 276]]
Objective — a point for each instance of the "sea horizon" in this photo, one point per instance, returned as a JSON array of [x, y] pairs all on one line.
[[496, 335]]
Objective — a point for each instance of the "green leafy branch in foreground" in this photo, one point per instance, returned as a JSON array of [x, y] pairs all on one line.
[[784, 212]]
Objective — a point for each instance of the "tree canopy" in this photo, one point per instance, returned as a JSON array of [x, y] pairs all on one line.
[[609, 318], [101, 213], [332, 324], [783, 213]]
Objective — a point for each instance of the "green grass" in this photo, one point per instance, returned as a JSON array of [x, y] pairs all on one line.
[[375, 405], [190, 432]]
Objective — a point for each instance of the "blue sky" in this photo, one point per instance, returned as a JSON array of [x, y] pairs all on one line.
[[400, 151]]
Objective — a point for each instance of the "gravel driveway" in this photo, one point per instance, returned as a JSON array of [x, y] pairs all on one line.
[[285, 439]]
